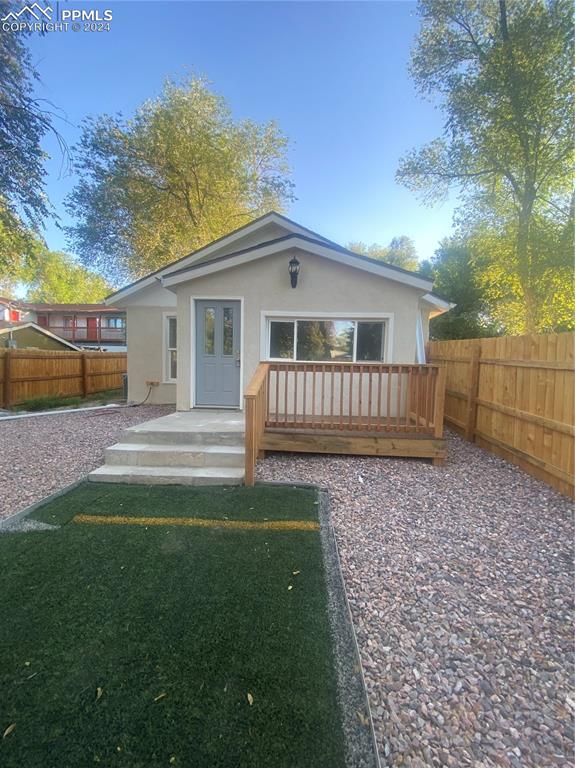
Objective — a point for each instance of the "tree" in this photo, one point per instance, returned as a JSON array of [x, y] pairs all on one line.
[[178, 175], [454, 276], [503, 73], [19, 250], [553, 288], [57, 278], [24, 121], [400, 252]]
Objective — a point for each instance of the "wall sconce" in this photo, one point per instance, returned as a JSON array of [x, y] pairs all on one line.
[[293, 269]]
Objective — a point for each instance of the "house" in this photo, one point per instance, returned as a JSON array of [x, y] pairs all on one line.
[[271, 290], [275, 338], [88, 326], [31, 336]]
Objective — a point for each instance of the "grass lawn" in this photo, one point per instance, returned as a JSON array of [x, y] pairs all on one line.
[[48, 402], [134, 645]]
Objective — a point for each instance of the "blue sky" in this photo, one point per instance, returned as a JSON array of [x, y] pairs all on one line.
[[333, 75]]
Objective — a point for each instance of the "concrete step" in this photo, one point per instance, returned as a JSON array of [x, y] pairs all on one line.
[[139, 436], [190, 428], [168, 475], [174, 455]]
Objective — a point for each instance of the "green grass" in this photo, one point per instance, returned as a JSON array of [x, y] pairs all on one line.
[[57, 401], [202, 615]]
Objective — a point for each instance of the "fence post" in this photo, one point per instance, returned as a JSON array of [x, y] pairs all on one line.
[[85, 382], [7, 394], [471, 411]]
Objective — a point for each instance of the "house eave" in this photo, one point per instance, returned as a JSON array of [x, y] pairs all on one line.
[[152, 279], [328, 251], [43, 331], [436, 305]]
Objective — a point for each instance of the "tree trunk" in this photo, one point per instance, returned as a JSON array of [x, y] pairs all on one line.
[[524, 261]]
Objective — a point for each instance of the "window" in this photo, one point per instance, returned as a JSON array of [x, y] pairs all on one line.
[[171, 348], [115, 322], [282, 339], [370, 342], [68, 321], [327, 340]]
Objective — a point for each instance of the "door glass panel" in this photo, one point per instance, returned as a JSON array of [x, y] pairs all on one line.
[[210, 331], [228, 331]]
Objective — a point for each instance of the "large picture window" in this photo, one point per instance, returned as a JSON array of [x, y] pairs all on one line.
[[171, 348], [318, 340]]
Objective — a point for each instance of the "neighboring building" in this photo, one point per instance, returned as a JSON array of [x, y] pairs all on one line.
[[200, 326], [32, 336], [89, 326]]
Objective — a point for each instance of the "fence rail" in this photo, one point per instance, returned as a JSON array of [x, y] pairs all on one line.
[[28, 374], [515, 396]]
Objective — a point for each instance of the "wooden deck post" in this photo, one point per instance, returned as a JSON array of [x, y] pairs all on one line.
[[256, 406], [7, 393], [439, 407], [472, 392], [249, 408]]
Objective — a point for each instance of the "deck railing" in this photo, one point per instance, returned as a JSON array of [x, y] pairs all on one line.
[[255, 402], [98, 334], [405, 400]]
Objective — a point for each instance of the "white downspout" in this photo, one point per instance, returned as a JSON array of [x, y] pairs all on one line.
[[419, 340]]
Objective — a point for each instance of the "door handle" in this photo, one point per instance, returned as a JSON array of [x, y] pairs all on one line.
[[238, 358]]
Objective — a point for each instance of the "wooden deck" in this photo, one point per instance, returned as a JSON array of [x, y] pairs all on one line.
[[345, 408]]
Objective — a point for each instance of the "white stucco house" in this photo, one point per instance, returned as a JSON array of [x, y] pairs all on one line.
[[271, 290]]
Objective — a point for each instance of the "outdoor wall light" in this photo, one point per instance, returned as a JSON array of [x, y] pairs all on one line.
[[293, 269]]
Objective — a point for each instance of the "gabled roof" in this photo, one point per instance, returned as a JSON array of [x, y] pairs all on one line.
[[253, 226], [198, 262], [39, 329], [320, 247]]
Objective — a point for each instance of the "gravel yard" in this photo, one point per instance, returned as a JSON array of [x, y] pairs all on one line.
[[42, 454], [459, 577], [460, 582]]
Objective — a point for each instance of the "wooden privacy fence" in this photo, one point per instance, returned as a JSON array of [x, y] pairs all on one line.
[[27, 374], [515, 396], [363, 408]]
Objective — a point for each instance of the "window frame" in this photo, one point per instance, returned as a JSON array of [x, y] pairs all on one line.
[[387, 318], [166, 349], [116, 322]]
